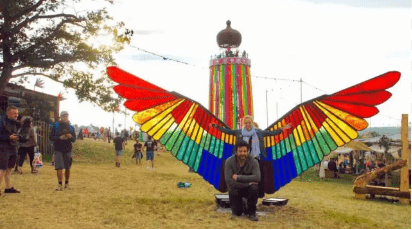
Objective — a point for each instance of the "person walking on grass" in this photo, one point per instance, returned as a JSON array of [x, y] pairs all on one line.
[[8, 146], [63, 136], [138, 152], [150, 146], [16, 167], [118, 148], [27, 148]]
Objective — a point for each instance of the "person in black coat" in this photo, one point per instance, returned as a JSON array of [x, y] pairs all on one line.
[[332, 166], [9, 137]]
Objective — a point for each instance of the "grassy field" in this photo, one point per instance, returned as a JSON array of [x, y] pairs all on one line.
[[103, 196]]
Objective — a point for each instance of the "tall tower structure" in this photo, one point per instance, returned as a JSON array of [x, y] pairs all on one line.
[[230, 95]]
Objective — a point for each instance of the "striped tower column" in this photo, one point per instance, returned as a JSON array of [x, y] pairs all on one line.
[[230, 95]]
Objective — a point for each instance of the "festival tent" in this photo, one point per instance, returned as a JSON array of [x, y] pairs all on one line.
[[393, 150], [351, 146]]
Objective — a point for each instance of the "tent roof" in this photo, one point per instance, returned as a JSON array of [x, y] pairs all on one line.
[[349, 147], [393, 150]]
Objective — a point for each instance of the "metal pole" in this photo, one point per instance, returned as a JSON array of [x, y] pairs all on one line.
[[267, 114], [277, 114], [300, 90]]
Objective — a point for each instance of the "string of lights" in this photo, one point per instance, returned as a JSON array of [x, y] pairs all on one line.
[[397, 119], [164, 58], [276, 79], [262, 77], [314, 87]]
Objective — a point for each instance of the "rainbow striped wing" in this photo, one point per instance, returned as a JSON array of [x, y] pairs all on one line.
[[319, 126], [180, 124]]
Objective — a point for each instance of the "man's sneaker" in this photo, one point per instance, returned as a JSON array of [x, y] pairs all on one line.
[[11, 190], [66, 186], [253, 217], [52, 164], [60, 188]]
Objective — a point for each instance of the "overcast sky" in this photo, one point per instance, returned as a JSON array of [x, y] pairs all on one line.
[[331, 45]]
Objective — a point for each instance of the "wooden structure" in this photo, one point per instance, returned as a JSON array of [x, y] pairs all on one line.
[[42, 130], [16, 95], [230, 89], [361, 187], [406, 156]]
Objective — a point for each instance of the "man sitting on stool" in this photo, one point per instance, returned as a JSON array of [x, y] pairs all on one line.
[[242, 176]]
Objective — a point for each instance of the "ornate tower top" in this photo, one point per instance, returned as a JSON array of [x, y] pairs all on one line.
[[229, 38]]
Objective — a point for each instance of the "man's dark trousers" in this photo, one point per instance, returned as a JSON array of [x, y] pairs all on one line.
[[250, 193]]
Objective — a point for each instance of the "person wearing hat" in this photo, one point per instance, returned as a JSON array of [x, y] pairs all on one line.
[[63, 135]]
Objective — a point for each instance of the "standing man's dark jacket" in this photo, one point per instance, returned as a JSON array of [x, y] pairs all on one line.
[[7, 128], [332, 166], [59, 129], [250, 172]]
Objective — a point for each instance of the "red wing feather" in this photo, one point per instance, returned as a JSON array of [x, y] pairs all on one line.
[[378, 83]]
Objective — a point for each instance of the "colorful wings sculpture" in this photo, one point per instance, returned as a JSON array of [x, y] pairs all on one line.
[[319, 126]]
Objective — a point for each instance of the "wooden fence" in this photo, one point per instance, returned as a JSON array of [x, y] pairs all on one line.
[[42, 131]]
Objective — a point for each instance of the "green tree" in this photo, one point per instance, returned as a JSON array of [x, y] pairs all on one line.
[[40, 108], [51, 39]]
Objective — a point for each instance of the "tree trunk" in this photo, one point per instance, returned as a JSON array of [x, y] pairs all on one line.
[[363, 179], [385, 191], [6, 70], [5, 78]]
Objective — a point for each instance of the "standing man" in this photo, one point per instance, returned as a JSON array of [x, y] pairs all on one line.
[[150, 146], [242, 175], [118, 148], [8, 146], [63, 135], [332, 167]]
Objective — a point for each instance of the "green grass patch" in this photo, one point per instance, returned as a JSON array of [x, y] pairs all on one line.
[[103, 196]]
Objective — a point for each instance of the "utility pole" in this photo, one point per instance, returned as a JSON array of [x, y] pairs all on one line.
[[300, 90], [267, 114], [301, 175]]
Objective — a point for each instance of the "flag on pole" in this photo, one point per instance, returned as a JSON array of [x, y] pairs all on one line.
[[117, 108], [39, 83], [60, 96]]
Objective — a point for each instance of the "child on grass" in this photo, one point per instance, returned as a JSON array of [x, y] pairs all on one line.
[[138, 152]]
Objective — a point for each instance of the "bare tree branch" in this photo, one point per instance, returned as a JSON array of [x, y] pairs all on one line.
[[27, 10], [40, 74], [37, 16], [21, 53], [32, 73]]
